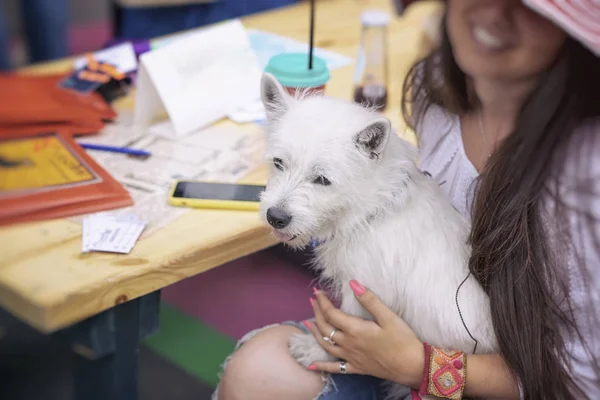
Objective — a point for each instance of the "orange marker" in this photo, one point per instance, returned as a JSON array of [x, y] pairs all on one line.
[[112, 71], [92, 64], [92, 76]]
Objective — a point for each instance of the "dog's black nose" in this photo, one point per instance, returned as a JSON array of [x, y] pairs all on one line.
[[278, 218]]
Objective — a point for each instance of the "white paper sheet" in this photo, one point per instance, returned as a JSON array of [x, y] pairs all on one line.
[[198, 78], [121, 133], [223, 154], [112, 233]]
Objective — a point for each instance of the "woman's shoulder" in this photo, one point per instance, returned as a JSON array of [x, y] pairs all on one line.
[[580, 170], [584, 143]]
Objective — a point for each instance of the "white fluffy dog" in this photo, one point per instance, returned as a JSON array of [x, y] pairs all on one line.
[[341, 177]]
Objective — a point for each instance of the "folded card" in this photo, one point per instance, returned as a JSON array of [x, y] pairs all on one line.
[[198, 78]]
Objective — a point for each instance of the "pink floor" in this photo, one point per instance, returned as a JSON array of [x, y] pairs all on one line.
[[254, 291]]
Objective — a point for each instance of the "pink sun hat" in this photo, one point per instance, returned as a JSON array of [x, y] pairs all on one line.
[[579, 18]]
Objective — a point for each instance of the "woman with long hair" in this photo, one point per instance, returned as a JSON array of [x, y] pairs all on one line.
[[507, 114]]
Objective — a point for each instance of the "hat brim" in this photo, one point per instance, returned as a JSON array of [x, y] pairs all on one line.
[[579, 18]]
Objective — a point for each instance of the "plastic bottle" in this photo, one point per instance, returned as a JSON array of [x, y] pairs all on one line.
[[371, 78]]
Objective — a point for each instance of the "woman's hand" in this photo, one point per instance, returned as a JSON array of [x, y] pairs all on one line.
[[386, 348]]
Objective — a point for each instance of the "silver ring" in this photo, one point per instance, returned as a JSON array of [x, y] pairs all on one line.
[[342, 367], [331, 342]]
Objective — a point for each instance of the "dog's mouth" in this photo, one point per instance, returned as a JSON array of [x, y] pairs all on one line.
[[283, 237]]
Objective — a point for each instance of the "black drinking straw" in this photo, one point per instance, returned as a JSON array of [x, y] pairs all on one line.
[[312, 34]]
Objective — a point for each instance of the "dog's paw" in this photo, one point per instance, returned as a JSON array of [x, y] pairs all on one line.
[[306, 350]]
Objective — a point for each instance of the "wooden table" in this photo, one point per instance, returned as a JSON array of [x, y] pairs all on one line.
[[104, 303]]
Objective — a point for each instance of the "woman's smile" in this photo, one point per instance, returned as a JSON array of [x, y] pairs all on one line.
[[490, 39]]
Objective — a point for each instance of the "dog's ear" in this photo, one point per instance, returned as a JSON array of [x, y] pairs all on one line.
[[274, 97], [374, 137]]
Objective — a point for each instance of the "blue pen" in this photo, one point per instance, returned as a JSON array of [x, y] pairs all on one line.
[[114, 149]]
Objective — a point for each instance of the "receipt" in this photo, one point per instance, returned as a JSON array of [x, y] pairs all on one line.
[[110, 233]]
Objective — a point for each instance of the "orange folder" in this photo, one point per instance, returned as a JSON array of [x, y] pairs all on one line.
[[28, 101]]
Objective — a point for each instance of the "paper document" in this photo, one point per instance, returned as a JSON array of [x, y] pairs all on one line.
[[121, 132], [198, 78], [219, 153], [110, 233]]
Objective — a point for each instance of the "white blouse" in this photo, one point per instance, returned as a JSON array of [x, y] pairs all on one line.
[[442, 154]]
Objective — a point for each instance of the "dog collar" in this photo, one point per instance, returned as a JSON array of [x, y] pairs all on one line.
[[315, 243]]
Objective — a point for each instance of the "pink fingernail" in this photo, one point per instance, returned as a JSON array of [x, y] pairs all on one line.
[[312, 368], [312, 301], [315, 290], [357, 288], [306, 324]]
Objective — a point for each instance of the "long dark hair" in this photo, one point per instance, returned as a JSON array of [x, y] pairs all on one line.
[[514, 257]]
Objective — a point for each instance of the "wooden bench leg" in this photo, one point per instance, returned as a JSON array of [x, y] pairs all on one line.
[[106, 349]]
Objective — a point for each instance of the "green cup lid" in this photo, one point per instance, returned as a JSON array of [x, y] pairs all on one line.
[[291, 70]]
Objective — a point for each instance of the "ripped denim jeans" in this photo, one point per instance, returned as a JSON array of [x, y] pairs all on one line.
[[338, 386]]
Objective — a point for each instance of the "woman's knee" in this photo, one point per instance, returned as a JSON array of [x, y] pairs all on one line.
[[263, 369]]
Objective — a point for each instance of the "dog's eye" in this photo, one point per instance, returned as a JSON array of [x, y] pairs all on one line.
[[278, 163], [321, 180]]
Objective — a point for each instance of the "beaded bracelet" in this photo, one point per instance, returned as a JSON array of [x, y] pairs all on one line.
[[444, 374]]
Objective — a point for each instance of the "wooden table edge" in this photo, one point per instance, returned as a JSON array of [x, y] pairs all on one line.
[[48, 318]]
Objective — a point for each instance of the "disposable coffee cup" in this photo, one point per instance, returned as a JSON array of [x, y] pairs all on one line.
[[291, 70]]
